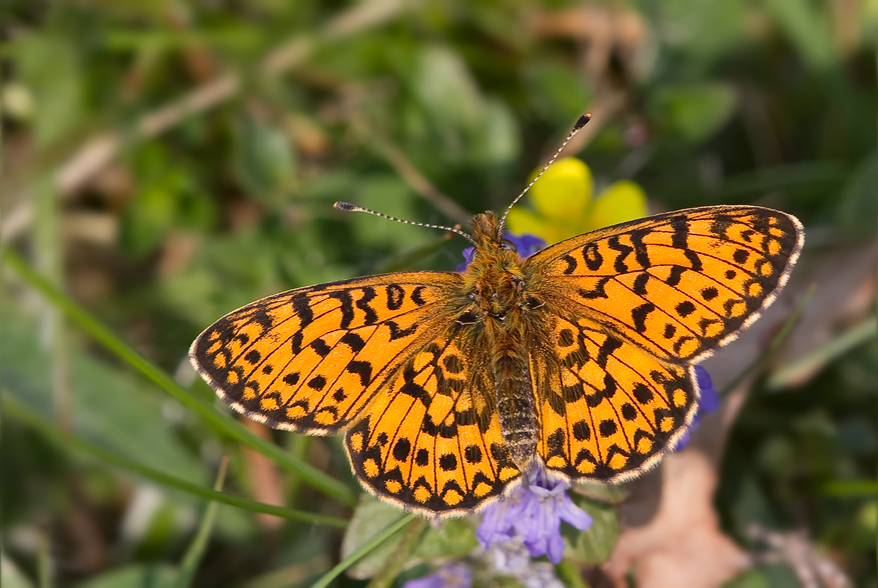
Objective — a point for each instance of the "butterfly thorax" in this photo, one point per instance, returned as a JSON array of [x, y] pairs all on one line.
[[495, 282]]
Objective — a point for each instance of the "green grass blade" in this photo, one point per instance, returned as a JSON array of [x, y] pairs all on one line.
[[11, 408], [363, 551], [196, 550], [824, 354], [221, 422]]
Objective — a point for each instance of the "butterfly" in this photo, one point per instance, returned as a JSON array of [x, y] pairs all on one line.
[[448, 386]]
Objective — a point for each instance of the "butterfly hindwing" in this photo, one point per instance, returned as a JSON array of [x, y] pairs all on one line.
[[431, 440], [607, 409], [311, 359], [676, 284]]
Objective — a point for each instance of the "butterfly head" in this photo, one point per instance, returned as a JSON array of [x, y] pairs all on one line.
[[494, 277]]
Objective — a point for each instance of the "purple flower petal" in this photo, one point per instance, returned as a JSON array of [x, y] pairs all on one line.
[[556, 547], [708, 401], [468, 256], [448, 576], [532, 514], [574, 515], [525, 245]]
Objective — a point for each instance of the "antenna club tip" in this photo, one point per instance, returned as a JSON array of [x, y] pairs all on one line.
[[341, 205], [583, 120]]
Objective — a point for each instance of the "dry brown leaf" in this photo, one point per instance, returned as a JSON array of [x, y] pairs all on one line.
[[681, 546]]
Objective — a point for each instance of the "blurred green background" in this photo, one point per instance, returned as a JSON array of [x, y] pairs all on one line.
[[165, 162]]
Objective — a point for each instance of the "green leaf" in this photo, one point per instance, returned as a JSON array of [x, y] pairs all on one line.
[[499, 143], [445, 87], [558, 92], [263, 160], [778, 575], [602, 492], [694, 111], [141, 576], [807, 25], [699, 31], [110, 408], [857, 206], [51, 69], [387, 194], [370, 518], [365, 548], [595, 544], [453, 538]]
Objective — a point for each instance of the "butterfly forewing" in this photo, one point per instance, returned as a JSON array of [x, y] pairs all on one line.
[[676, 284], [431, 441], [311, 359]]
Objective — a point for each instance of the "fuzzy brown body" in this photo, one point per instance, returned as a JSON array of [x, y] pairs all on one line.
[[496, 283]]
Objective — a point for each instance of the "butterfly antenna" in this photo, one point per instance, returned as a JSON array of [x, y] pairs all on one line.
[[354, 208], [581, 122]]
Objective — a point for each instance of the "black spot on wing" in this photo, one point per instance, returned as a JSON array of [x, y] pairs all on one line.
[[363, 304], [616, 245], [639, 315], [395, 296], [396, 332], [362, 369], [416, 296], [347, 307], [302, 310], [593, 258]]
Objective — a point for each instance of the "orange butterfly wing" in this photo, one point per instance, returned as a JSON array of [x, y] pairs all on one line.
[[311, 359], [383, 358], [432, 440], [677, 284], [628, 310], [607, 409]]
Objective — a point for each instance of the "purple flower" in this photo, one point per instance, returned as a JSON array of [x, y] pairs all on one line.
[[526, 245], [707, 402], [512, 559], [448, 576], [532, 514]]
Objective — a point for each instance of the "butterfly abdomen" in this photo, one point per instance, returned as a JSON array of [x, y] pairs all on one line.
[[515, 406], [515, 401]]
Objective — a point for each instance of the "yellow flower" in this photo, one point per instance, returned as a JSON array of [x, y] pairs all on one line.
[[564, 206]]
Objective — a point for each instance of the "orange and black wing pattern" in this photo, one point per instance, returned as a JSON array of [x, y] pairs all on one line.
[[431, 440], [311, 359], [629, 309], [607, 409], [383, 358], [677, 285]]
